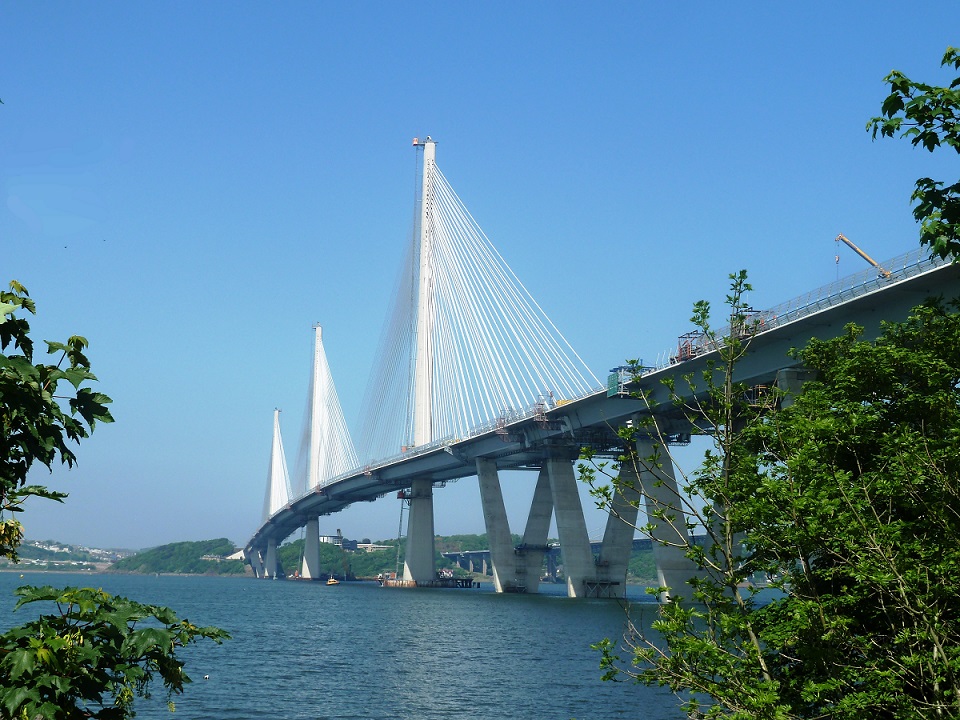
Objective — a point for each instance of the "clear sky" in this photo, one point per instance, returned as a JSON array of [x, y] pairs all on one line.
[[192, 185]]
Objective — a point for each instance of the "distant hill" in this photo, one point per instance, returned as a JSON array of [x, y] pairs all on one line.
[[205, 557]]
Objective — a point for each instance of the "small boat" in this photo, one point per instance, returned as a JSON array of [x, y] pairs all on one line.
[[332, 581]]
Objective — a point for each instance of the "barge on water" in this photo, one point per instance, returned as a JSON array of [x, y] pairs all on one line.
[[441, 581]]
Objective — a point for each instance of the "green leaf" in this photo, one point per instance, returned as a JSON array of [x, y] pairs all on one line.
[[19, 662], [17, 697], [140, 641]]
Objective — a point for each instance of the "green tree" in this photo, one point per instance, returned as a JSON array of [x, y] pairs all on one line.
[[930, 116], [36, 427], [857, 509], [97, 652], [710, 647], [846, 498]]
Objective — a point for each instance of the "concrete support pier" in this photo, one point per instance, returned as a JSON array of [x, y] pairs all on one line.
[[310, 568], [270, 562], [618, 535], [534, 544], [658, 485], [419, 563], [790, 381], [256, 563], [502, 555], [578, 562]]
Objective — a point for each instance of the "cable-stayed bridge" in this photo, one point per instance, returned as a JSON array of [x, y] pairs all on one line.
[[473, 378]]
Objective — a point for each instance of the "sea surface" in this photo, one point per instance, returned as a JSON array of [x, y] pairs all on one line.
[[355, 650]]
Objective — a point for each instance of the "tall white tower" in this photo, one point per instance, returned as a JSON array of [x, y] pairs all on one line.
[[419, 559], [423, 377]]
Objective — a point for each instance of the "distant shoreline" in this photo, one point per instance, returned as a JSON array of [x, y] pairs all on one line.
[[107, 571]]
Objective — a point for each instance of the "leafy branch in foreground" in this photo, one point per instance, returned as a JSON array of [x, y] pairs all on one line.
[[92, 657], [98, 652], [706, 642], [34, 426], [929, 116]]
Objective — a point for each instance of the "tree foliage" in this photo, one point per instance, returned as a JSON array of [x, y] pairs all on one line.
[[930, 117], [864, 471], [95, 653], [846, 500], [711, 647], [93, 657], [35, 426]]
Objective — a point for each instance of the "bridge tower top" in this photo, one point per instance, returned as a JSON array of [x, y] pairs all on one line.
[[329, 450], [278, 478], [423, 374]]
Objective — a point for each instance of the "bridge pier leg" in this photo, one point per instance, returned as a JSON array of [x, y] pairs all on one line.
[[578, 562], [419, 564], [618, 535], [790, 381], [310, 567], [536, 530], [502, 556], [256, 563], [658, 485], [270, 562]]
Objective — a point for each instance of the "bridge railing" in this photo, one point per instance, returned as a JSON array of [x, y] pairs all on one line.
[[840, 291], [864, 282]]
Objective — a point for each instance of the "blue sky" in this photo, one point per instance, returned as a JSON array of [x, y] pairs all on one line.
[[192, 185]]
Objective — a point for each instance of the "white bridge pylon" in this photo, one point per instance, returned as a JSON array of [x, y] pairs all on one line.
[[277, 496], [466, 344], [326, 451], [468, 347]]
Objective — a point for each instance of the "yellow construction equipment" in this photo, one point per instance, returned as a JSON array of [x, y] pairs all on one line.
[[861, 253]]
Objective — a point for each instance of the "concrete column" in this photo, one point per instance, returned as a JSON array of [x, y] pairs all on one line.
[[535, 533], [578, 562], [659, 489], [502, 556], [270, 562], [310, 567], [618, 535], [419, 564], [426, 321], [790, 381], [256, 563]]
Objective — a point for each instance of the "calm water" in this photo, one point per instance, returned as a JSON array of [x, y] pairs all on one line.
[[305, 650]]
